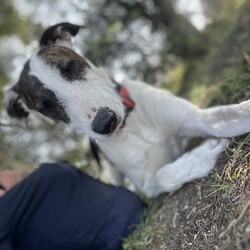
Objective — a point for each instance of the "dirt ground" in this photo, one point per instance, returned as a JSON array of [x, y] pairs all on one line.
[[213, 213], [209, 214]]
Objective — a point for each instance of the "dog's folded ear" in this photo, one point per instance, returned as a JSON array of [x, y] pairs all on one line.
[[14, 105], [60, 34]]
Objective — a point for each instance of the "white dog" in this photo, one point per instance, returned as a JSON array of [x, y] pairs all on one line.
[[142, 130]]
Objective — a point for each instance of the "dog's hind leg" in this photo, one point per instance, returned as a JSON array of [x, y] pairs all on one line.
[[192, 165]]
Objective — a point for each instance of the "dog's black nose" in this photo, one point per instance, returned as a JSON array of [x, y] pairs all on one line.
[[105, 121]]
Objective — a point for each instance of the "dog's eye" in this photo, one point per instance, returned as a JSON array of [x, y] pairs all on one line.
[[43, 106], [67, 70]]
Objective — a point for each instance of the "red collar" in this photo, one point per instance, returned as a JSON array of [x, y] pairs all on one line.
[[128, 103], [126, 99]]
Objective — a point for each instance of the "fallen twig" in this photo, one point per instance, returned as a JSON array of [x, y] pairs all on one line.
[[234, 222], [174, 218]]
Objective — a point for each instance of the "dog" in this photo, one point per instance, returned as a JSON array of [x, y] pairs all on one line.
[[142, 130]]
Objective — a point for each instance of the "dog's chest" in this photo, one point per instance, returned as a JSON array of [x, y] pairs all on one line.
[[139, 152]]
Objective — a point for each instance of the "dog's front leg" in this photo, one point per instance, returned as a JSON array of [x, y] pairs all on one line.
[[221, 121], [192, 165]]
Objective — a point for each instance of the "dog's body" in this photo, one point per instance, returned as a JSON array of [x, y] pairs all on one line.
[[148, 144]]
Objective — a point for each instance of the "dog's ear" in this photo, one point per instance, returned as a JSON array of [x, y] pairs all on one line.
[[60, 34], [14, 105]]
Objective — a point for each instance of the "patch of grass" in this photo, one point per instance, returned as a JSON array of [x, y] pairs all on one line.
[[234, 199], [226, 182], [235, 171], [145, 232]]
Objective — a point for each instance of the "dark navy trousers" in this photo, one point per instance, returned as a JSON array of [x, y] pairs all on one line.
[[60, 208]]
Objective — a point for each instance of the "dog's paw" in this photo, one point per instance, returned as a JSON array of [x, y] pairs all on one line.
[[192, 165], [205, 156], [211, 147]]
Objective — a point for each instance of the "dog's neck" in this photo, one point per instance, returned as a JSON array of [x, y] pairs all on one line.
[[128, 103]]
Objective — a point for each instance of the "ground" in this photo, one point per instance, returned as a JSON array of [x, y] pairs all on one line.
[[212, 213]]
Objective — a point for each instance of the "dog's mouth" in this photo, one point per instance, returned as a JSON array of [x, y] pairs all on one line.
[[105, 121]]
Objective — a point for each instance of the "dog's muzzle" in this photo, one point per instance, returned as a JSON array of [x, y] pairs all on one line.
[[105, 121]]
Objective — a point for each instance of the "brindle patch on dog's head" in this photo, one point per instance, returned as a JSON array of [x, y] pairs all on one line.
[[70, 65], [36, 97]]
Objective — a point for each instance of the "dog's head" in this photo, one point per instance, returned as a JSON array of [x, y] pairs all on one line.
[[64, 86]]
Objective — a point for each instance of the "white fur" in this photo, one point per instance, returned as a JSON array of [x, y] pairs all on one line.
[[150, 149]]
